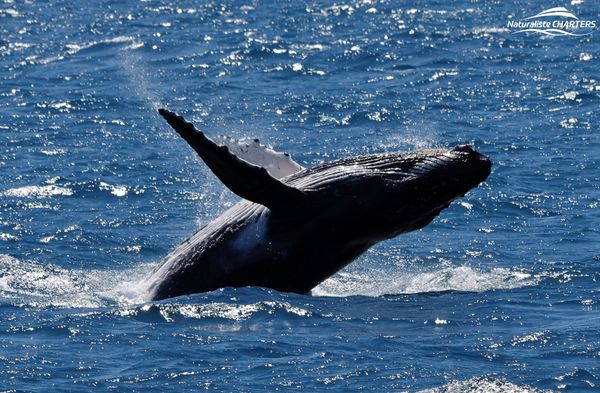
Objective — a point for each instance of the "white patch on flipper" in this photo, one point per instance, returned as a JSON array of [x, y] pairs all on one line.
[[278, 165]]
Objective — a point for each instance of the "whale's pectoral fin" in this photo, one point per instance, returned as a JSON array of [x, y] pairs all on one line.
[[247, 180], [279, 165]]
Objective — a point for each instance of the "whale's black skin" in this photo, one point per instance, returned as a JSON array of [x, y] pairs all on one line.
[[291, 234]]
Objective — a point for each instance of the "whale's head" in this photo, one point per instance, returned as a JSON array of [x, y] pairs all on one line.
[[392, 193], [419, 186], [413, 188]]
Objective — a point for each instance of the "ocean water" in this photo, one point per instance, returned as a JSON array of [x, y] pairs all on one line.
[[499, 294]]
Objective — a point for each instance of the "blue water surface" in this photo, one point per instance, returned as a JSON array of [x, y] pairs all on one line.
[[499, 293]]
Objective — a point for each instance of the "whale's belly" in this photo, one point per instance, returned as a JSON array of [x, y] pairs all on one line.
[[207, 259]]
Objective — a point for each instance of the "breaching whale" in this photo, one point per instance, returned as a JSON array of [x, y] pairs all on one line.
[[295, 227]]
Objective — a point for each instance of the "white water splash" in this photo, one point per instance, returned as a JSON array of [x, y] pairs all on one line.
[[453, 278], [480, 385], [138, 75], [422, 135], [231, 311], [116, 190], [44, 285], [53, 152], [37, 285]]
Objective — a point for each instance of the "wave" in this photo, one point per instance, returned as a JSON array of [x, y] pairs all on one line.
[[45, 191], [52, 189], [74, 48]]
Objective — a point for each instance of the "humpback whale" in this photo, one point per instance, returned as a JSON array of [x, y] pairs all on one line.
[[295, 226]]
